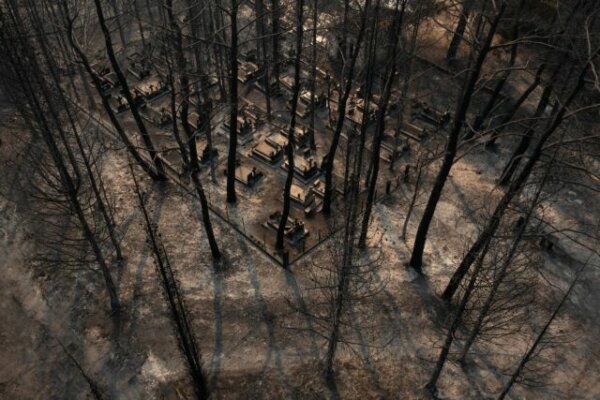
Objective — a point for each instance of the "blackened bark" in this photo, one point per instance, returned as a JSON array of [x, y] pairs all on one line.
[[191, 136], [291, 133], [313, 74], [106, 105], [489, 106], [233, 104], [525, 141], [275, 33], [514, 187], [127, 93], [416, 260], [342, 100], [532, 350], [380, 126], [183, 330], [460, 29], [456, 320], [262, 49], [515, 107], [30, 79]]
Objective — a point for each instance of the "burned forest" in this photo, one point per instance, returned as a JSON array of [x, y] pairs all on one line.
[[299, 199]]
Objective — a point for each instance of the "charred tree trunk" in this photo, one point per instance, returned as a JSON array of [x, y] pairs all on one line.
[[460, 29], [275, 33], [380, 127], [532, 350], [313, 74], [154, 174], [291, 133], [515, 107], [342, 100], [515, 185], [489, 106], [170, 286], [127, 93], [191, 136], [30, 80], [525, 141], [262, 50], [420, 166], [233, 104], [204, 107], [416, 260], [432, 384]]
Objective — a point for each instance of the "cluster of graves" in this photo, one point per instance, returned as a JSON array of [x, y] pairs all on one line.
[[262, 164]]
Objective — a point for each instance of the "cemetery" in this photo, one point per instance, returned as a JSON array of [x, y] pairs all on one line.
[[262, 163]]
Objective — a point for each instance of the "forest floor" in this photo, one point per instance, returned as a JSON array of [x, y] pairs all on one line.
[[254, 341], [252, 319]]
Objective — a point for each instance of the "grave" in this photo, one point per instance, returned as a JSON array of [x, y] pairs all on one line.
[[278, 140], [392, 146], [159, 117], [248, 71], [423, 111], [304, 198], [105, 86], [294, 231], [373, 108], [100, 69], [252, 113], [287, 81], [301, 134], [318, 188], [302, 110], [152, 88], [139, 66], [306, 94], [244, 125], [205, 154], [246, 175], [267, 152], [304, 168], [194, 120]]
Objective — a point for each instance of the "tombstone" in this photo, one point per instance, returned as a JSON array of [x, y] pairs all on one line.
[[206, 156], [247, 176], [138, 97], [301, 134], [100, 69], [105, 87], [122, 104], [302, 110], [252, 113], [160, 118], [112, 79], [406, 177], [294, 230], [244, 125], [318, 188], [278, 140], [303, 198]]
